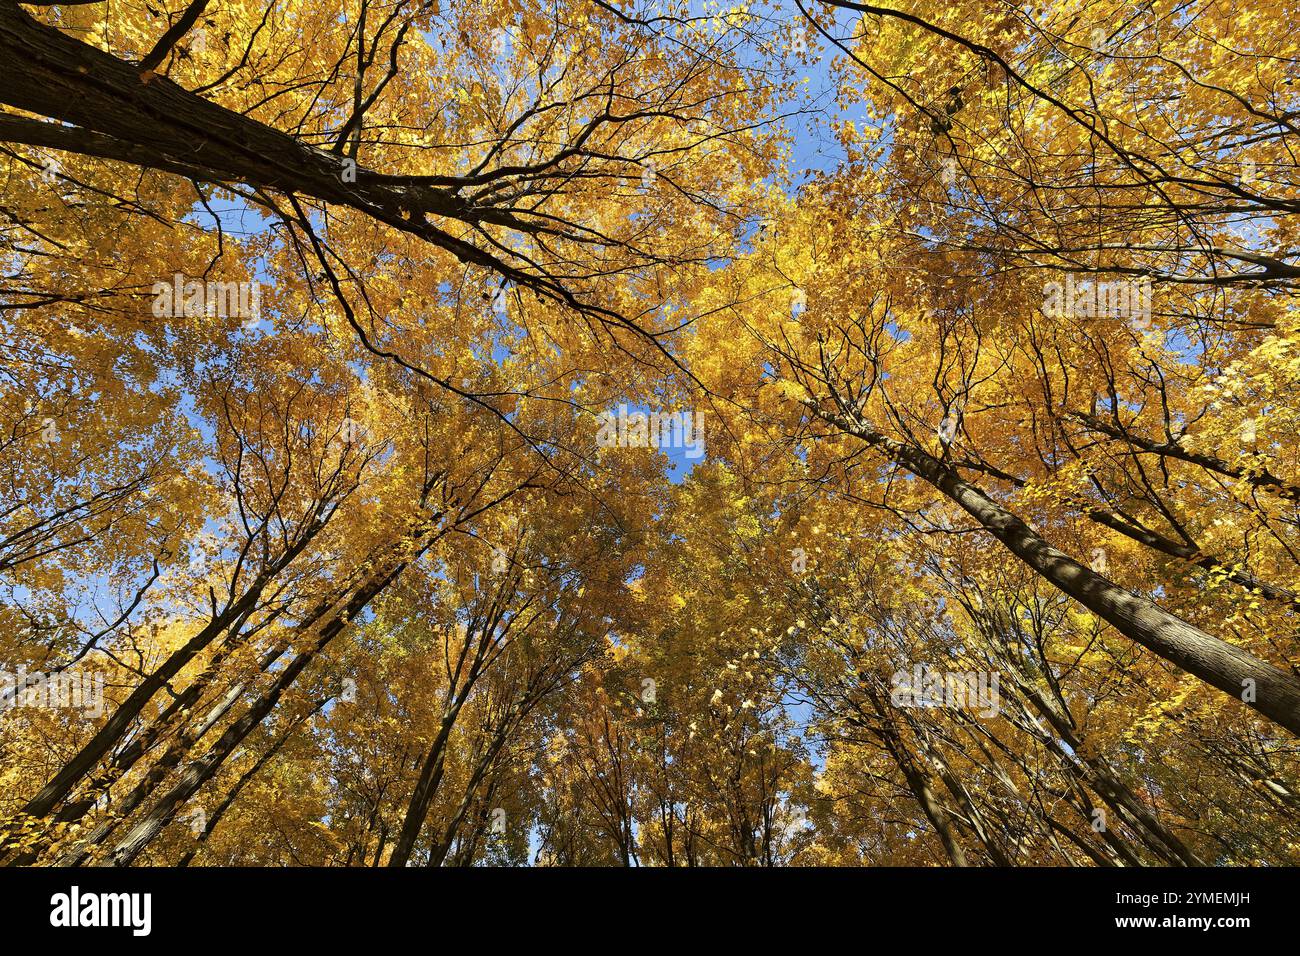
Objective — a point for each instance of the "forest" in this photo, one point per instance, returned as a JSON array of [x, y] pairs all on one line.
[[649, 433]]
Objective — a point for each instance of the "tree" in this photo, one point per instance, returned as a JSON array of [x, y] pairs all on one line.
[[463, 433]]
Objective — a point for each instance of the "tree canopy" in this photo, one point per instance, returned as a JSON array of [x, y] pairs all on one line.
[[641, 432]]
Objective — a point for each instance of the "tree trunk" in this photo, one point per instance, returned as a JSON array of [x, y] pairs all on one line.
[[1218, 663], [200, 771]]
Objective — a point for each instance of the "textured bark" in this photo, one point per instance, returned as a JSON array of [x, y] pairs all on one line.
[[119, 111], [1218, 663]]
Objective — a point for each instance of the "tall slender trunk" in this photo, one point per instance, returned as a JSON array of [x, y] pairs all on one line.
[[117, 725], [248, 775], [885, 730], [203, 769], [442, 845], [935, 812], [1232, 670], [426, 785]]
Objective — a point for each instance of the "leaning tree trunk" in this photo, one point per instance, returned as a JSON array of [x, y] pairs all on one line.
[[116, 727], [1218, 663], [203, 769], [117, 110]]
